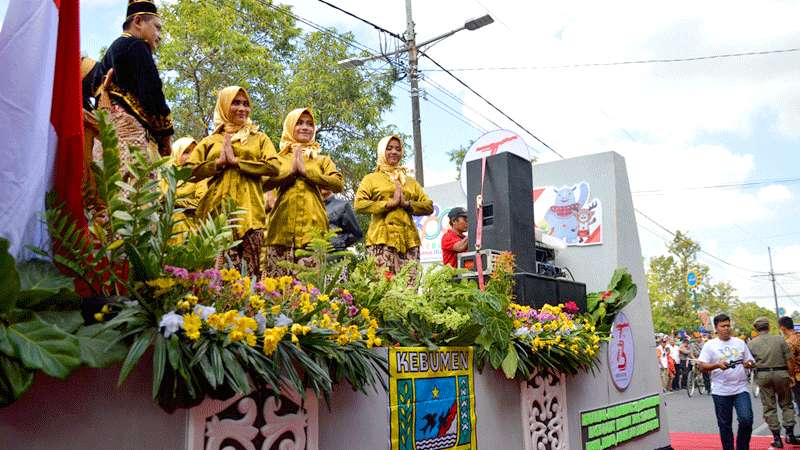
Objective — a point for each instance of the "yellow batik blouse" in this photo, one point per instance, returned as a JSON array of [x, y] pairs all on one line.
[[299, 207], [257, 159], [392, 227]]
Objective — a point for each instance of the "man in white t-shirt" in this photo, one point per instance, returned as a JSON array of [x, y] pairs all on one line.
[[726, 357]]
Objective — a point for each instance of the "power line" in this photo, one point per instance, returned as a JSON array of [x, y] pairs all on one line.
[[490, 104], [459, 101], [744, 184], [373, 25], [673, 234], [441, 105], [623, 63]]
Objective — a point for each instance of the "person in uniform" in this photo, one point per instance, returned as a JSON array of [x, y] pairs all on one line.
[[792, 338], [772, 376], [129, 87], [392, 198]]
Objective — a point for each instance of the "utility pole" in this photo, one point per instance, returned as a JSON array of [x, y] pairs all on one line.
[[772, 278], [411, 45]]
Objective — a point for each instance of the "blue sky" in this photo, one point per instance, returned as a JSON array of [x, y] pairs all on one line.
[[679, 126]]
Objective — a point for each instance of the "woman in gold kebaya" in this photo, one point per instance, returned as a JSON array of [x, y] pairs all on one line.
[[299, 208], [187, 193], [234, 159], [392, 198]]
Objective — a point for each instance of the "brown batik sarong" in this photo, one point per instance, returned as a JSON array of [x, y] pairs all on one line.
[[278, 253], [130, 133], [248, 250], [393, 261]]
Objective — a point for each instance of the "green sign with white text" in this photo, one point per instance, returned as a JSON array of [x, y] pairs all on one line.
[[614, 425]]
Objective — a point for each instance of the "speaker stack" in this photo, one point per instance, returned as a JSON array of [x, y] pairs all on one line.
[[508, 225]]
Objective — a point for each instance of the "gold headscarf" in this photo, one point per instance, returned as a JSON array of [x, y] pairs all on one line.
[[180, 146], [311, 149], [395, 172], [222, 115]]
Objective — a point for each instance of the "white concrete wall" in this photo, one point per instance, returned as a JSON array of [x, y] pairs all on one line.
[[608, 179]]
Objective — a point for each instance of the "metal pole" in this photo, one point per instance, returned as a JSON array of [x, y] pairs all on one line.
[[411, 45], [772, 278]]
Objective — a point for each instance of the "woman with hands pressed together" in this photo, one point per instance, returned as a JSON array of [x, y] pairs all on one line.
[[392, 198], [234, 159], [299, 208]]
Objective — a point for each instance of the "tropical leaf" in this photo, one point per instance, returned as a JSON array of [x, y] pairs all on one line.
[[14, 379], [67, 321], [40, 345], [9, 278], [100, 346]]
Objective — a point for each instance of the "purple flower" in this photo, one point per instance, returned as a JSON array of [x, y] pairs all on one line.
[[212, 274], [352, 311], [259, 287], [177, 272], [315, 291]]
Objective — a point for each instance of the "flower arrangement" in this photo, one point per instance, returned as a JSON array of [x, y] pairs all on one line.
[[221, 331]]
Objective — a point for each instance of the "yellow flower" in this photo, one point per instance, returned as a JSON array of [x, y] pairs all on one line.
[[276, 309], [272, 337], [162, 285], [517, 323], [216, 321], [105, 309], [191, 325], [323, 298], [184, 305], [192, 299], [297, 288], [99, 317], [256, 302], [270, 284], [250, 339], [295, 340], [285, 281], [230, 274], [335, 307], [365, 313], [378, 342]]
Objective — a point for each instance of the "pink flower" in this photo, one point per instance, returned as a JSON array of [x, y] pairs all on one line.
[[571, 307]]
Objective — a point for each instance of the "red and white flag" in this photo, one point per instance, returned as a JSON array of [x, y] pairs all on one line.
[[41, 118]]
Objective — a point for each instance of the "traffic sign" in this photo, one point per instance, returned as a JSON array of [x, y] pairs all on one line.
[[692, 279]]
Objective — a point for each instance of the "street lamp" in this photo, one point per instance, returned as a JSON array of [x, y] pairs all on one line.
[[412, 48]]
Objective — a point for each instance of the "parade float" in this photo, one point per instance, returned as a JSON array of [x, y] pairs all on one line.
[[130, 339]]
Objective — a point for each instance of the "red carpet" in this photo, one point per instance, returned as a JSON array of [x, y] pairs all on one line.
[[700, 441]]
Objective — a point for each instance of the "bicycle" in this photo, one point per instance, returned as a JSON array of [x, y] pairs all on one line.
[[695, 380]]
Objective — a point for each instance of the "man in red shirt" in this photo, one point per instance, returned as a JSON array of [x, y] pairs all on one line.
[[455, 239]]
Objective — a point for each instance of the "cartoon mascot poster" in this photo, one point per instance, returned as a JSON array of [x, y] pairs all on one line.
[[569, 213]]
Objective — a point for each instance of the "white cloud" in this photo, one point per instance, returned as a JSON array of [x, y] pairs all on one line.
[[774, 193]]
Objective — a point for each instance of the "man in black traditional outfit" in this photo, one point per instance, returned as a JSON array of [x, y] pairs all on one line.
[[129, 87]]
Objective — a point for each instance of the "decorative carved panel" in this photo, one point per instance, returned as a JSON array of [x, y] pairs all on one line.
[[544, 413], [260, 421]]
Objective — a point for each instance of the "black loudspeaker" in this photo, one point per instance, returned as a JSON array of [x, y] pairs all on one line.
[[536, 291], [507, 207]]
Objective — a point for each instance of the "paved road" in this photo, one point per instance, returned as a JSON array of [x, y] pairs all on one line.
[[696, 414]]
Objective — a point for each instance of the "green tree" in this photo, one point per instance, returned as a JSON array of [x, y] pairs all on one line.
[[743, 314], [671, 299], [263, 50], [457, 155]]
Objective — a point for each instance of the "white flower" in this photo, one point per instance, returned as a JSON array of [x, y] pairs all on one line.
[[283, 321], [522, 331], [204, 311], [130, 303], [171, 323], [262, 322]]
